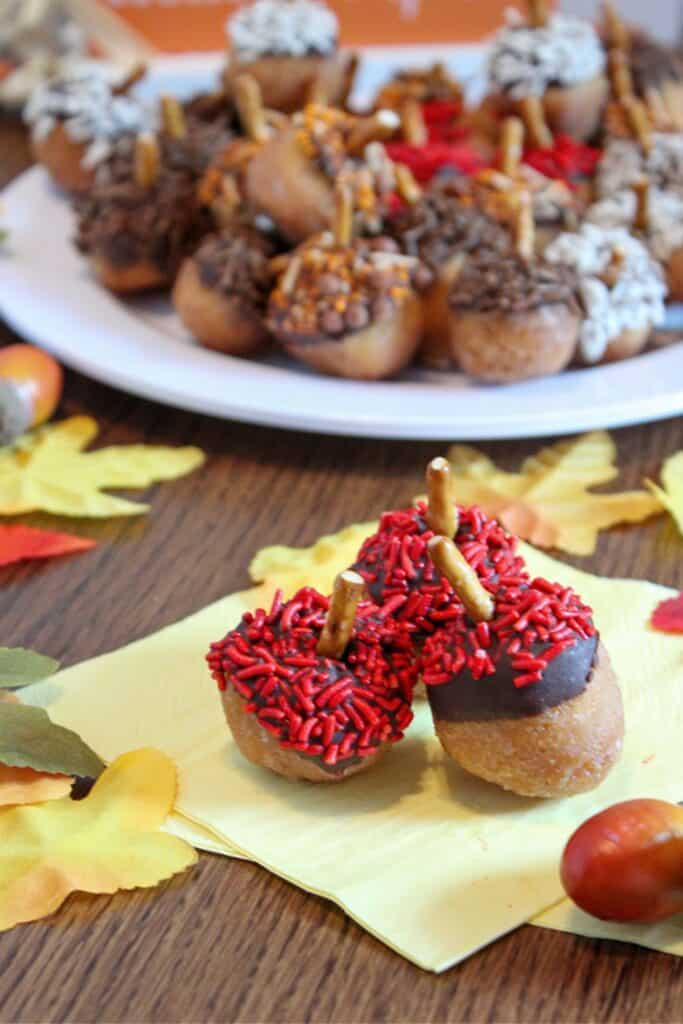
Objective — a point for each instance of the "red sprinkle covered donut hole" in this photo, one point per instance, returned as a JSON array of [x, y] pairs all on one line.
[[304, 715]]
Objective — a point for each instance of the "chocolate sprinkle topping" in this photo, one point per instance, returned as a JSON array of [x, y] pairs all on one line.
[[236, 265], [506, 283]]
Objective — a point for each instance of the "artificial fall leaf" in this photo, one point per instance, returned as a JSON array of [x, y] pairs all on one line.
[[106, 842], [548, 503], [20, 543], [21, 667], [26, 786], [50, 470], [29, 739], [671, 495], [668, 615]]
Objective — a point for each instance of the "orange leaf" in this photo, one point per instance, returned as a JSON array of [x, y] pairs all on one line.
[[24, 786], [549, 502]]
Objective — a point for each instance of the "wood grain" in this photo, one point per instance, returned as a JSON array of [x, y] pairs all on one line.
[[230, 942]]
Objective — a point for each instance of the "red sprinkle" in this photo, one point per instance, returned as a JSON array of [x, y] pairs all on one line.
[[668, 615]]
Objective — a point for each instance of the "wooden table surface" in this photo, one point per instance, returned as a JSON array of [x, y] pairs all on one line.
[[229, 942]]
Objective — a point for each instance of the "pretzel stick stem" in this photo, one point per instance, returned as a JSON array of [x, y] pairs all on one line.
[[377, 128], [442, 515], [147, 163], [173, 118], [413, 122], [348, 590], [343, 215], [534, 120], [249, 105], [617, 32], [406, 186], [524, 229], [137, 72], [538, 13], [642, 191], [512, 141], [451, 562], [620, 74]]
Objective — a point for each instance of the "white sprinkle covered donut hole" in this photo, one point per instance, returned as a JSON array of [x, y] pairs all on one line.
[[663, 233], [290, 48], [622, 290], [76, 121], [562, 61]]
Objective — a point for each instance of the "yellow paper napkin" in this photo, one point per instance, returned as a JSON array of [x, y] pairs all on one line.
[[433, 862]]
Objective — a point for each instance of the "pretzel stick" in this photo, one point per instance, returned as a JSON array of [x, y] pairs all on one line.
[[288, 280], [617, 33], [536, 125], [349, 587], [642, 192], [612, 271], [342, 226], [250, 108], [637, 119], [620, 74], [671, 93], [377, 128], [413, 122], [538, 13], [451, 562], [524, 229], [512, 141], [350, 72], [442, 515], [137, 72], [147, 160], [406, 186], [173, 118]]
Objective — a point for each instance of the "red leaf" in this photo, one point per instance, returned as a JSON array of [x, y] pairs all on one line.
[[668, 615], [18, 543]]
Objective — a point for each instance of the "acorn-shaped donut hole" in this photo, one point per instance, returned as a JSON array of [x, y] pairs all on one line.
[[316, 689], [137, 230], [76, 120], [512, 316], [521, 688], [293, 177], [221, 292], [349, 307]]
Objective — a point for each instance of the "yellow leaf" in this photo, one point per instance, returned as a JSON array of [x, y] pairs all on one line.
[[671, 495], [49, 470], [25, 786], [292, 568], [548, 503], [106, 842]]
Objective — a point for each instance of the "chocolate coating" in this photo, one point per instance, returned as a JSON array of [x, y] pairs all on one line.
[[495, 697]]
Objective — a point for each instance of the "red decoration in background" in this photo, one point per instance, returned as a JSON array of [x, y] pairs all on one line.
[[567, 160], [19, 543], [668, 615]]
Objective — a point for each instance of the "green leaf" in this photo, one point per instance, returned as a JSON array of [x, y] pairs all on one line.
[[29, 739], [19, 667]]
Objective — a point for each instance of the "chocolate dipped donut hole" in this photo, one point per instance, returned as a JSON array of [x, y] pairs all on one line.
[[221, 292], [137, 230], [438, 229], [521, 689], [513, 317], [316, 689], [349, 307]]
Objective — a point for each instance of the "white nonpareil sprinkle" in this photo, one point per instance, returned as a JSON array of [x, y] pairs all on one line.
[[83, 103], [289, 28], [636, 300], [665, 228], [525, 61], [623, 162]]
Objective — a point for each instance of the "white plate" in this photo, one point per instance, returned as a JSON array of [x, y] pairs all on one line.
[[49, 297]]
